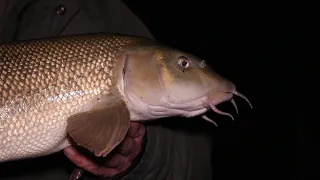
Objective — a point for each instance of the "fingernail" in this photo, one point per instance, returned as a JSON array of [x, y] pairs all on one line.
[[69, 151]]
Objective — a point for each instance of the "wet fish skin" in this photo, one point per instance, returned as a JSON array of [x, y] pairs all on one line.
[[90, 87], [42, 82]]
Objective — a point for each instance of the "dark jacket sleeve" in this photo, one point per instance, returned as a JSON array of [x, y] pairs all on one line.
[[174, 150]]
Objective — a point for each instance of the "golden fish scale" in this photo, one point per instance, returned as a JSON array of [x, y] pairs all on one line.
[[42, 82]]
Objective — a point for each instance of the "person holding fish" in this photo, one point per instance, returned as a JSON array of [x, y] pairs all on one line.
[[149, 150]]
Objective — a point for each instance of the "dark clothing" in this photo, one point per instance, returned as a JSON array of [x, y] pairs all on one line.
[[170, 153], [34, 19]]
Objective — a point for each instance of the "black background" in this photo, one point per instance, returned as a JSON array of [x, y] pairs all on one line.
[[270, 51], [266, 49]]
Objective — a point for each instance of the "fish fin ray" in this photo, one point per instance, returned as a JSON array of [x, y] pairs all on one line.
[[100, 129]]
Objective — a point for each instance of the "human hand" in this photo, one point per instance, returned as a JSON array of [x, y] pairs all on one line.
[[118, 161]]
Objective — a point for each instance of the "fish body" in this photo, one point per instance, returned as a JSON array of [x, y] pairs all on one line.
[[90, 87], [45, 81]]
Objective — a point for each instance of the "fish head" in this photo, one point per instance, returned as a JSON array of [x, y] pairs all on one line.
[[162, 82]]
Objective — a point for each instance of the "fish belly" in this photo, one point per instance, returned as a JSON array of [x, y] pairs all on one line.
[[37, 130]]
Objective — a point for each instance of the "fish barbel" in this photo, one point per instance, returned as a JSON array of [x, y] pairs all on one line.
[[90, 87]]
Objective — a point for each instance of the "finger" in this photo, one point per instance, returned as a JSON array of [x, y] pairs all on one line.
[[118, 161], [132, 141], [131, 151], [136, 129], [89, 164], [127, 146]]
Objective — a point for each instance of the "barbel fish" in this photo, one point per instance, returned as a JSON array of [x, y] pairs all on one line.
[[90, 87]]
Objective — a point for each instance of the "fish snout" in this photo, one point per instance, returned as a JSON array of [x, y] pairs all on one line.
[[215, 97], [219, 95]]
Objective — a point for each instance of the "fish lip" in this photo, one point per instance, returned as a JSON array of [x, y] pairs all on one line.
[[219, 95], [215, 97], [208, 99]]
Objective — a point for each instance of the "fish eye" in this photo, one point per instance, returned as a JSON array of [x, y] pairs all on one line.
[[183, 61]]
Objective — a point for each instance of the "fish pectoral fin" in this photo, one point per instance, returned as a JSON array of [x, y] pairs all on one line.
[[100, 129]]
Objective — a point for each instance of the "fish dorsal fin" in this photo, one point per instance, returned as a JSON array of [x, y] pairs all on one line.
[[101, 128]]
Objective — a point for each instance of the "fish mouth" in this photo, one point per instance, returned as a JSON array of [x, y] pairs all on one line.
[[215, 97]]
